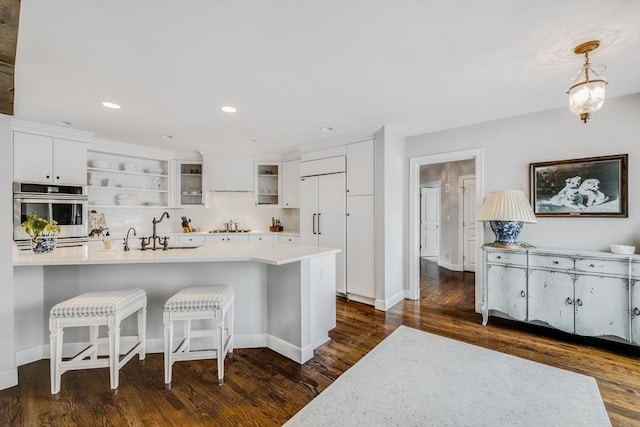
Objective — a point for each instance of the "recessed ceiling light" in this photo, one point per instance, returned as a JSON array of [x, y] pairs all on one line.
[[63, 123], [326, 129], [167, 137], [111, 105], [228, 109]]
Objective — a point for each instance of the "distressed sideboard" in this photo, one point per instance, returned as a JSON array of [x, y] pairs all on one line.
[[586, 293]]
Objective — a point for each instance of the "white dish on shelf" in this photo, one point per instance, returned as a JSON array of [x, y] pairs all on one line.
[[99, 202], [100, 164], [152, 204], [129, 167], [155, 171], [623, 249]]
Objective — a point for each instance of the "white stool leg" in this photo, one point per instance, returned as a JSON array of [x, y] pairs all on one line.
[[55, 354], [220, 351], [93, 337], [142, 332], [187, 335], [168, 351], [114, 352], [230, 330]]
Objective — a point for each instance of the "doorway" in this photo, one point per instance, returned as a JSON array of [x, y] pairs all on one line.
[[475, 201], [467, 225]]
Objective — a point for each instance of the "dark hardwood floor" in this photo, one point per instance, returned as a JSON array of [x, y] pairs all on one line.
[[263, 388]]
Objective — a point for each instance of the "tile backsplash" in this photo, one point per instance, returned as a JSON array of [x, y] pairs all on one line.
[[221, 207]]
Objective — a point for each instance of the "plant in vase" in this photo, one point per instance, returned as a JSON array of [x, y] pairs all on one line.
[[42, 232]]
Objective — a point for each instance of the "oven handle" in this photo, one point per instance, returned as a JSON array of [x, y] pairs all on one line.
[[36, 198]]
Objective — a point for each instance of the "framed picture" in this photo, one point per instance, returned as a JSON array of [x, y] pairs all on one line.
[[590, 187]]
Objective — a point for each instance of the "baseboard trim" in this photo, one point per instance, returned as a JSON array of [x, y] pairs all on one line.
[[450, 266], [8, 378], [30, 355], [293, 352], [385, 305]]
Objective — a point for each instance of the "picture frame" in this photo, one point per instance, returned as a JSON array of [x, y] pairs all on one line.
[[587, 187]]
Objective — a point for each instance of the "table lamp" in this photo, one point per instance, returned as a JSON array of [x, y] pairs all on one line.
[[506, 211]]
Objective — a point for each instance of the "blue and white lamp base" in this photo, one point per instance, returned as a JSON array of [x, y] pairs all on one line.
[[506, 233]]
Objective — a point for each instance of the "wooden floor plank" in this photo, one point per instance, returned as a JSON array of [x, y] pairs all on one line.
[[263, 388]]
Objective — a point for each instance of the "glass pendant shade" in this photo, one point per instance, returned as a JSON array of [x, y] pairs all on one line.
[[586, 97]]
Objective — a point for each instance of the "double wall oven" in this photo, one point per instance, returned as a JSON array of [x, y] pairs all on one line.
[[65, 204]]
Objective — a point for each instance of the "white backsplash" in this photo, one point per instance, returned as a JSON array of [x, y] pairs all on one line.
[[221, 208]]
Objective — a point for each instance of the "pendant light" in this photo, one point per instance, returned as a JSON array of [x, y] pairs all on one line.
[[587, 93]]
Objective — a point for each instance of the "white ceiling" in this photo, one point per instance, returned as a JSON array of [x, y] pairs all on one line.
[[292, 67]]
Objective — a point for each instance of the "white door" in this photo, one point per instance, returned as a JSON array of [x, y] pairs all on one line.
[[430, 221], [468, 224], [308, 210], [360, 243], [331, 221]]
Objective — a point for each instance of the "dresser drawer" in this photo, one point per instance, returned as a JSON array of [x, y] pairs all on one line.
[[635, 270], [510, 258], [602, 266], [551, 261]]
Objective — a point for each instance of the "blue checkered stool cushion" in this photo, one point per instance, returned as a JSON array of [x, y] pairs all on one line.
[[203, 302], [94, 309]]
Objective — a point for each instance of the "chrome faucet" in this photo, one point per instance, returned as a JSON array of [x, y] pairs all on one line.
[[126, 239], [151, 240]]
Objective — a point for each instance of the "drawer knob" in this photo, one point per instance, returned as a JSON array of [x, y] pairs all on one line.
[[592, 265], [498, 257], [569, 301], [556, 262], [579, 302], [522, 294], [636, 311]]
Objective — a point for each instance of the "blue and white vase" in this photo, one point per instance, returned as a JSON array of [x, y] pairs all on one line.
[[43, 244]]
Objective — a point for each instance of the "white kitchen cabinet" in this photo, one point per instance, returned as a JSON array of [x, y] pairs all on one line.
[[266, 238], [235, 238], [122, 180], [268, 184], [223, 172], [360, 168], [360, 246], [44, 159], [283, 238], [186, 240], [323, 217], [585, 293], [189, 189], [291, 184]]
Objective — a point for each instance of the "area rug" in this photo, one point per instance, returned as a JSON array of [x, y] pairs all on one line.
[[414, 378]]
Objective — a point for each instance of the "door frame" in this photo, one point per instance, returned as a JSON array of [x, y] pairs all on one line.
[[413, 292], [438, 186], [461, 194]]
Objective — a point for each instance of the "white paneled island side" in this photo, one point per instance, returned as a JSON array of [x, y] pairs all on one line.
[[284, 293]]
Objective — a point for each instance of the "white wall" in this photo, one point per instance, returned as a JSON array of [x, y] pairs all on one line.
[[511, 144], [8, 371]]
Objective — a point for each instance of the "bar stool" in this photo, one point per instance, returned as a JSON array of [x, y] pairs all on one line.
[[206, 302], [94, 309]]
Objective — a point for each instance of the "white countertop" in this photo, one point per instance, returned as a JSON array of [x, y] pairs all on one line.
[[267, 253]]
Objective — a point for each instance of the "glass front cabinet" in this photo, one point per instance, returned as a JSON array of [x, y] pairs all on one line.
[[189, 189], [267, 183]]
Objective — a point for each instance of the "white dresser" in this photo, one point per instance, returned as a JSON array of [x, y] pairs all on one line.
[[586, 293]]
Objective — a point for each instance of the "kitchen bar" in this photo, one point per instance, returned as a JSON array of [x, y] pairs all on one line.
[[284, 294]]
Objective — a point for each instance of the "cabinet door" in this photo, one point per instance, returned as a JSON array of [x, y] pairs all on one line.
[[309, 210], [551, 298], [189, 185], [216, 238], [331, 221], [360, 168], [255, 238], [186, 240], [238, 238], [268, 185], [602, 306], [291, 184], [33, 158], [507, 290], [69, 162], [360, 244], [294, 240], [635, 311]]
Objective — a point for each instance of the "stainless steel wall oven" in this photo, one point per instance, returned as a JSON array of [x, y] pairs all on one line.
[[64, 203]]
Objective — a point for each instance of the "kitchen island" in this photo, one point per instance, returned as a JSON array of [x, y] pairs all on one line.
[[284, 293]]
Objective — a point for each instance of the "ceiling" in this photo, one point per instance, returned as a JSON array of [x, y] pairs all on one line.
[[293, 67]]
